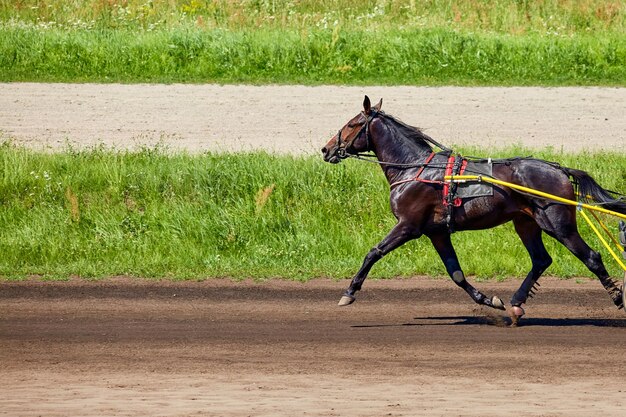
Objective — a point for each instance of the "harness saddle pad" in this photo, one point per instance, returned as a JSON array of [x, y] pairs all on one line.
[[472, 189]]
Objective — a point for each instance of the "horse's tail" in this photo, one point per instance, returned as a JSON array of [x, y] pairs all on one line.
[[589, 190]]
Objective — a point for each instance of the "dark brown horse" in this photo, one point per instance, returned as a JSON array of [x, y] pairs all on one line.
[[415, 174]]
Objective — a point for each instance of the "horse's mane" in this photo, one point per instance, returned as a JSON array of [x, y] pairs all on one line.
[[413, 134]]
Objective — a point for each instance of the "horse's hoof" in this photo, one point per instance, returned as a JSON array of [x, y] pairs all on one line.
[[346, 300], [496, 302], [516, 313]]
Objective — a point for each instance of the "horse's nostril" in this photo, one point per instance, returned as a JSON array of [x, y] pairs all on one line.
[[324, 150]]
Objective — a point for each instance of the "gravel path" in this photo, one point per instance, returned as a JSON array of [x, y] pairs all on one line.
[[299, 119]]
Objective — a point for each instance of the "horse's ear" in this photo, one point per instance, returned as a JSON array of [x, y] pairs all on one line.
[[367, 105], [379, 105]]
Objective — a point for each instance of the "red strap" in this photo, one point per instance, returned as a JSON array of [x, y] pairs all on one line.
[[430, 158], [446, 185], [417, 176]]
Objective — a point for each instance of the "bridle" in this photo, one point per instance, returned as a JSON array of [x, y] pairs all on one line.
[[367, 157], [341, 150]]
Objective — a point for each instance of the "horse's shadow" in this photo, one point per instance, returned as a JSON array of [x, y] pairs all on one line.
[[501, 321]]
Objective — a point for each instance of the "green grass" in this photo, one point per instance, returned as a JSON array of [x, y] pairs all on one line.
[[550, 17], [410, 57], [463, 42], [98, 212]]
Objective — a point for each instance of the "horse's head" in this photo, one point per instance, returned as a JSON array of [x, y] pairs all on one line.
[[354, 136]]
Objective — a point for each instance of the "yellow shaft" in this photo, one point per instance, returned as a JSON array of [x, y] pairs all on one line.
[[607, 231], [604, 242], [463, 178]]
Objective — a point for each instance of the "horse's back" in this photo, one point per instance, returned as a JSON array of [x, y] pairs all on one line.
[[536, 174]]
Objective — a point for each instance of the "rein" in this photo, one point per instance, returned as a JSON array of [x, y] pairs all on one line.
[[343, 154], [367, 157]]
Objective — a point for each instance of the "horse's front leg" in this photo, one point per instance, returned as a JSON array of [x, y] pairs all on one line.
[[399, 235], [443, 245]]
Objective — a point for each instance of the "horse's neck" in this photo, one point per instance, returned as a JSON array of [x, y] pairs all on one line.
[[401, 151]]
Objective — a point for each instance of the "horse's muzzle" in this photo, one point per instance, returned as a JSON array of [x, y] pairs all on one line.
[[333, 155]]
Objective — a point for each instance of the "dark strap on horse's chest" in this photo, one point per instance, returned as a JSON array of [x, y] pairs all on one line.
[[456, 166]]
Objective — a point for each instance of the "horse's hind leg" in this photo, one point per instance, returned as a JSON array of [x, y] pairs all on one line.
[[443, 245], [530, 234], [593, 261], [563, 228]]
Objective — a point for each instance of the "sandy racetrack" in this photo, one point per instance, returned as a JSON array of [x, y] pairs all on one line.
[[414, 347], [297, 119], [418, 347]]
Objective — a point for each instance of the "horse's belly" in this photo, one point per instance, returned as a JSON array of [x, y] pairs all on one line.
[[482, 213]]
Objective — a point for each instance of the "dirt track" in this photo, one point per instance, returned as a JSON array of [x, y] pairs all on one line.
[[298, 119], [219, 348]]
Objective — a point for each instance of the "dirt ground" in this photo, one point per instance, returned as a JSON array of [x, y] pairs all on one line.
[[297, 119], [414, 347]]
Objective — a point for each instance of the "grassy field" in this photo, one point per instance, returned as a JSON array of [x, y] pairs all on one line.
[[464, 42], [549, 17], [99, 213]]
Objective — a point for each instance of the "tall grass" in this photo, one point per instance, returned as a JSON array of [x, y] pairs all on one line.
[[545, 17], [99, 213], [465, 42], [410, 57]]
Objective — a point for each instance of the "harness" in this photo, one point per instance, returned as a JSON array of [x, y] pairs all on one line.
[[455, 165]]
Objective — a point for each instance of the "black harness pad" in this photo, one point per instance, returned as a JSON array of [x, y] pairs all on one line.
[[473, 189]]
